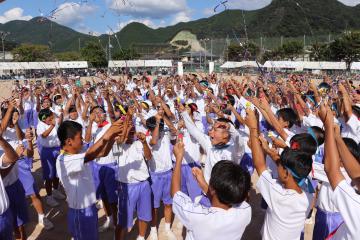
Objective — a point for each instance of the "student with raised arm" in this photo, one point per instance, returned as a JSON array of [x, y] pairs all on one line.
[[346, 196], [7, 159], [289, 199], [222, 143], [227, 190], [75, 173]]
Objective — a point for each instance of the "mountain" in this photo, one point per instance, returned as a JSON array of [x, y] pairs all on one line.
[[42, 31], [288, 18]]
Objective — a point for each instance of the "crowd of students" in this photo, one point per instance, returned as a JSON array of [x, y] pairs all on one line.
[[190, 144]]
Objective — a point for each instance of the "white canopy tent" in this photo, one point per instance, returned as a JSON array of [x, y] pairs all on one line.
[[140, 63], [42, 65]]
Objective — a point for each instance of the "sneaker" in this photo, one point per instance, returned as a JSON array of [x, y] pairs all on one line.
[[153, 235], [106, 226], [170, 235], [46, 224], [51, 201], [58, 195]]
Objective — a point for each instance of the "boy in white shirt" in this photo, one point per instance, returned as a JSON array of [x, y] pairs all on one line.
[[75, 173], [160, 167], [134, 191], [346, 196], [49, 151], [289, 200], [228, 215]]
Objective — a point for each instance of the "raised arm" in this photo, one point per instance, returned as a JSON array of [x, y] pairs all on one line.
[[332, 160], [350, 163], [256, 150]]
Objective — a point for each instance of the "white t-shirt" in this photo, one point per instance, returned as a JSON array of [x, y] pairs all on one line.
[[348, 202], [77, 179], [287, 209], [161, 154], [351, 129], [131, 162], [97, 136], [52, 139], [4, 200], [211, 223]]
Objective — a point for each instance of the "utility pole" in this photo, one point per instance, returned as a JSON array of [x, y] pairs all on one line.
[[3, 36], [261, 43], [109, 49]]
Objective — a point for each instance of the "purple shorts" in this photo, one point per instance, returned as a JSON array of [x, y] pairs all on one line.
[[189, 185], [29, 118], [6, 225], [160, 187], [83, 223], [325, 223], [25, 176], [105, 181], [18, 204], [134, 196], [48, 158]]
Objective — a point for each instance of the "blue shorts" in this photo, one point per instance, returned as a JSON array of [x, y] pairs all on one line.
[[83, 223], [18, 204], [326, 223], [134, 196], [105, 181], [160, 187], [48, 158], [247, 163], [25, 176], [189, 185], [6, 225]]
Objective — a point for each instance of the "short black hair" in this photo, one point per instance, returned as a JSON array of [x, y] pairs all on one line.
[[72, 109], [356, 111], [305, 142], [319, 134], [224, 120], [230, 182], [151, 124], [353, 148], [92, 109], [288, 115], [68, 129], [298, 162], [44, 114]]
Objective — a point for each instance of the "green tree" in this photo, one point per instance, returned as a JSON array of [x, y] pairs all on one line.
[[242, 52], [290, 50], [320, 52], [94, 54], [125, 54], [346, 48], [32, 53], [68, 56]]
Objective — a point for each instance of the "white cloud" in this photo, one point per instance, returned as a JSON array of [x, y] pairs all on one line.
[[208, 12], [14, 14], [181, 17], [155, 9], [73, 14]]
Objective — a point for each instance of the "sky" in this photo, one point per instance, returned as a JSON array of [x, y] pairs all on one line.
[[106, 16]]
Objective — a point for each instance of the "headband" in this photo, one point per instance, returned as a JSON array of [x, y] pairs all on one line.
[[304, 183]]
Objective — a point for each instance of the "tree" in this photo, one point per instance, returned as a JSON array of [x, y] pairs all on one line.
[[242, 52], [291, 50], [125, 54], [32, 53], [346, 48], [94, 54], [320, 52], [68, 56]]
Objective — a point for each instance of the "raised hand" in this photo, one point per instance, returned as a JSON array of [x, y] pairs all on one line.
[[179, 150]]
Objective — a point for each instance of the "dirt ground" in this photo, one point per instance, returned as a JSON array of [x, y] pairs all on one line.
[[58, 215]]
